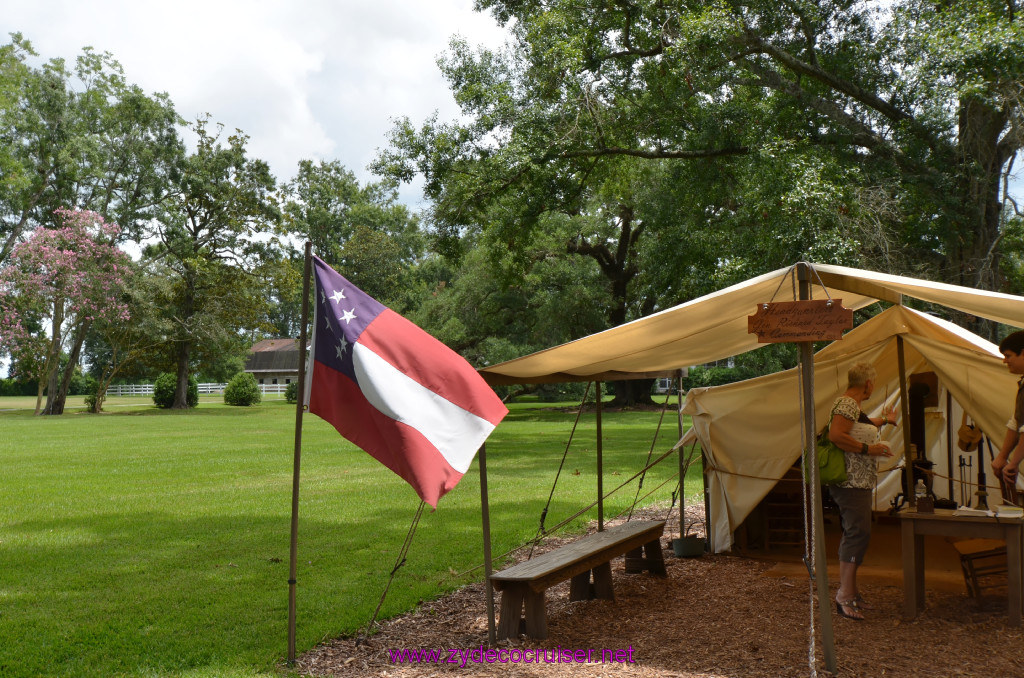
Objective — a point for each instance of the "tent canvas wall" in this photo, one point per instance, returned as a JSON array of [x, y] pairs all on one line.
[[751, 431]]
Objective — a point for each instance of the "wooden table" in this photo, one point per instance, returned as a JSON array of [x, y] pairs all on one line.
[[914, 527]]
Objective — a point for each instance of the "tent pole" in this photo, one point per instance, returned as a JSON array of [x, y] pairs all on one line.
[[908, 462], [299, 406], [485, 512], [820, 560], [682, 461], [600, 461], [949, 440]]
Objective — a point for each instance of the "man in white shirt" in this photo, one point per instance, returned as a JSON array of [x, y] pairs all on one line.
[[1007, 462]]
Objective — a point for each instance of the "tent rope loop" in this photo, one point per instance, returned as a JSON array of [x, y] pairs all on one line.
[[676, 493], [791, 274], [810, 517]]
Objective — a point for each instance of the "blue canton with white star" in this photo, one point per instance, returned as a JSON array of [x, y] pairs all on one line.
[[343, 312]]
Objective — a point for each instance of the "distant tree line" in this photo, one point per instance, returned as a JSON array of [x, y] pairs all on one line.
[[615, 159]]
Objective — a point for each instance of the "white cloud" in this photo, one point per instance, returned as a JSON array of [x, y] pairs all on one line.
[[317, 79]]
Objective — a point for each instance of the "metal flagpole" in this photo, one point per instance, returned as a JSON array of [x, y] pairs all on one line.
[[485, 512], [820, 561], [299, 406]]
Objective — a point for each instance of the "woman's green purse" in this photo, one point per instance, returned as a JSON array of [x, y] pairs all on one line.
[[831, 459]]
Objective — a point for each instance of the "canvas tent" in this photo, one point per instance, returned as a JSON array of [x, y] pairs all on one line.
[[751, 431]]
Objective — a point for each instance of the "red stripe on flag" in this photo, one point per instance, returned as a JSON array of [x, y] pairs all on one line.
[[422, 357], [337, 399]]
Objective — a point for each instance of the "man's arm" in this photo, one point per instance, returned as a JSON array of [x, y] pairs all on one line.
[[1009, 442], [1015, 456]]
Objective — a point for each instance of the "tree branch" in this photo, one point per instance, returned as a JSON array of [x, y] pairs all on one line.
[[796, 65], [655, 154], [863, 135]]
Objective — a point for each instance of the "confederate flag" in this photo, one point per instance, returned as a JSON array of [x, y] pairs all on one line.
[[392, 389]]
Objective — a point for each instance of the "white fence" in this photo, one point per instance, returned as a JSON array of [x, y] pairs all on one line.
[[204, 389]]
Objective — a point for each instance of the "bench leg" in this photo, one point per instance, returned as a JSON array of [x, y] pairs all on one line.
[[655, 559], [635, 560], [603, 582], [536, 616], [511, 612], [579, 587], [647, 557]]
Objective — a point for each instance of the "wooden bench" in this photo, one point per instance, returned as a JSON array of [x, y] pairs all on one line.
[[526, 582]]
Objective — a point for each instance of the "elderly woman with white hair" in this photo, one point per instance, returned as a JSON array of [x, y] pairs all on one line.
[[857, 435]]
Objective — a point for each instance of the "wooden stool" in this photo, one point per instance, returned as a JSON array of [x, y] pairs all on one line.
[[981, 559]]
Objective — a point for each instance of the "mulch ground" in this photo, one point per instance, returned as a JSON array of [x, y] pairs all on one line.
[[712, 616]]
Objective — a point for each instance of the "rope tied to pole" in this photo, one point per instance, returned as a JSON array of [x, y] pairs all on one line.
[[541, 529], [399, 562], [809, 518], [650, 451], [574, 516]]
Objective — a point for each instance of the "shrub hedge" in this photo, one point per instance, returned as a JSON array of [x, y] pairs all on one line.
[[242, 390]]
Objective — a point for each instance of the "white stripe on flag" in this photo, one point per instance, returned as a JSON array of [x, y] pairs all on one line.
[[456, 433]]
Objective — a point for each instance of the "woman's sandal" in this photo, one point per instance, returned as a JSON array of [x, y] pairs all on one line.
[[863, 604], [849, 605]]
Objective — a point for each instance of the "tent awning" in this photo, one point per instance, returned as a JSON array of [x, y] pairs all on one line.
[[714, 327]]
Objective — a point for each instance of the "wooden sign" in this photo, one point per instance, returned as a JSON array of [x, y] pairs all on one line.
[[791, 321]]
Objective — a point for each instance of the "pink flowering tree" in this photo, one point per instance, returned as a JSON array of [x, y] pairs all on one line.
[[53, 288]]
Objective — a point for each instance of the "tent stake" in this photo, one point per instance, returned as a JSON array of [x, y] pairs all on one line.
[[820, 561], [485, 512]]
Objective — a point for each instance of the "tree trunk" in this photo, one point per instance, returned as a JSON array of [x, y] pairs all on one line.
[[632, 393], [40, 387], [56, 398], [52, 367], [181, 389], [978, 249], [185, 344]]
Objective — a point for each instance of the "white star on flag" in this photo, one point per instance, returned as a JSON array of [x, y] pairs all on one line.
[[348, 316], [342, 346], [337, 296]]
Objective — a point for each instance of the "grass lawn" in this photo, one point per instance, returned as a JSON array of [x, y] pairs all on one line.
[[144, 542]]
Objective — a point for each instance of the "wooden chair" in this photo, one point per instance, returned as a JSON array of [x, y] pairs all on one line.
[[983, 562]]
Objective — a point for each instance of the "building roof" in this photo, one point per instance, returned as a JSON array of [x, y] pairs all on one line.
[[274, 355]]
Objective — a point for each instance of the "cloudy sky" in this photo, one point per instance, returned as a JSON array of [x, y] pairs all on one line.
[[319, 79]]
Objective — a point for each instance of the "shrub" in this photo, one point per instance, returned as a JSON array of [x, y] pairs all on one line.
[[94, 403], [291, 393], [242, 390], [163, 390], [13, 387]]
